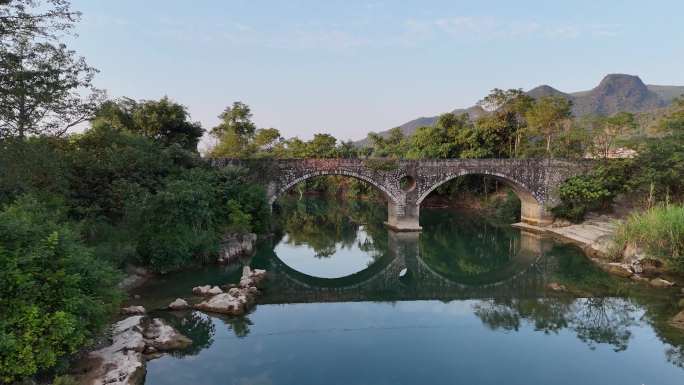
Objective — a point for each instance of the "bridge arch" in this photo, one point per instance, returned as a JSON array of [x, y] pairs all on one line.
[[312, 174], [532, 208]]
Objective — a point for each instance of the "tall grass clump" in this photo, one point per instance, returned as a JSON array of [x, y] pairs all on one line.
[[658, 231]]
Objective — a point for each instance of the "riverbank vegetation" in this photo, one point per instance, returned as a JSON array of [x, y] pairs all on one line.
[[659, 231], [77, 208], [89, 186]]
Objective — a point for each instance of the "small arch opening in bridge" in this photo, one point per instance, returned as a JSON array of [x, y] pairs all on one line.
[[407, 183]]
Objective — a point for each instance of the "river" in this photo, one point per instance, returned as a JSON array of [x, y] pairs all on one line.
[[465, 301]]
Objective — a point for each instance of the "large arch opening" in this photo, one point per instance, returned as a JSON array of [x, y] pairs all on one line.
[[329, 225], [496, 191], [332, 179]]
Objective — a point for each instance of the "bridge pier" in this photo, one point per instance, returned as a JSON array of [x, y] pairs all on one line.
[[533, 213], [403, 217]]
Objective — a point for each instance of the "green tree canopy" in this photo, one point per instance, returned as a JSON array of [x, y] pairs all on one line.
[[163, 121]]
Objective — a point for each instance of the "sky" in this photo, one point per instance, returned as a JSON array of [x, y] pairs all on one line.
[[351, 67]]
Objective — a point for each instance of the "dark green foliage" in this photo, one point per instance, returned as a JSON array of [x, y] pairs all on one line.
[[35, 165], [164, 121], [54, 292], [581, 194], [186, 219], [593, 191]]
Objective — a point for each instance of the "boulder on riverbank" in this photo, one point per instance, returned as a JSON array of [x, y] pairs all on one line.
[[123, 362], [660, 283], [236, 245]]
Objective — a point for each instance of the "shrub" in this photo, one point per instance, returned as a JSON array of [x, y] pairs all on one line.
[[581, 194], [659, 231], [54, 294]]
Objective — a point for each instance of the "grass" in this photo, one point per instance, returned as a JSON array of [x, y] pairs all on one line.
[[658, 231]]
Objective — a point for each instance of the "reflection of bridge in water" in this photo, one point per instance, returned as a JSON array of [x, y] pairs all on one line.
[[402, 274]]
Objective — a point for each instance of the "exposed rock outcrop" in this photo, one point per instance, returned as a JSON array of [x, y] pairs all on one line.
[[234, 246], [238, 300], [123, 362]]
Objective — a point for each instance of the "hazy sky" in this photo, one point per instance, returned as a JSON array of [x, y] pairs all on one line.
[[349, 67]]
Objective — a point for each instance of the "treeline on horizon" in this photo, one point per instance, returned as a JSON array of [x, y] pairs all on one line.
[[76, 209]]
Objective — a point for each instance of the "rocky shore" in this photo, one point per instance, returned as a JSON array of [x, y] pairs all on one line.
[[235, 245], [595, 237], [134, 341]]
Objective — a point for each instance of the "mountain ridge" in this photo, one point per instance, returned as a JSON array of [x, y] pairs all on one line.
[[615, 93]]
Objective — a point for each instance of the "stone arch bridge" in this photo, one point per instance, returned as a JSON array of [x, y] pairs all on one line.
[[406, 183]]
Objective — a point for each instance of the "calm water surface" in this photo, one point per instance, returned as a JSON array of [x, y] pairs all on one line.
[[464, 302]]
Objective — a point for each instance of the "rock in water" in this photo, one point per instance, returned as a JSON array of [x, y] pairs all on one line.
[[659, 282], [252, 277], [133, 310], [619, 269], [223, 303], [555, 286], [179, 304], [206, 290], [678, 320]]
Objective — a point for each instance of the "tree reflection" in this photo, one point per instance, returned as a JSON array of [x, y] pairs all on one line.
[[239, 325], [463, 247], [195, 325], [326, 225], [594, 320]]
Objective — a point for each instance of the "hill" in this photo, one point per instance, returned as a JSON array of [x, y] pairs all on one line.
[[615, 93]]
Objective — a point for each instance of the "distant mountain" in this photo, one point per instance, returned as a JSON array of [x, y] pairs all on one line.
[[615, 93]]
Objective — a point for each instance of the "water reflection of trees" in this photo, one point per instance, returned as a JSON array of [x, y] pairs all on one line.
[[464, 246], [326, 225], [195, 325], [594, 320]]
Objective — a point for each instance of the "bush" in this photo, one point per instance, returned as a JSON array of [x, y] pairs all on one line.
[[186, 219], [659, 231], [581, 194], [54, 293]]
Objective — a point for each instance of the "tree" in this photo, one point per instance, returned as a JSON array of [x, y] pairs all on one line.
[[607, 131], [548, 117], [322, 146], [508, 111], [163, 121], [235, 131], [41, 80], [268, 142]]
